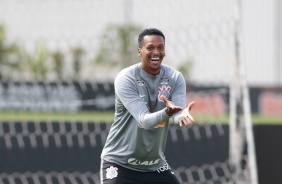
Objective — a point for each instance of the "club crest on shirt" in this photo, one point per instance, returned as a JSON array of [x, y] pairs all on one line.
[[164, 90], [111, 172]]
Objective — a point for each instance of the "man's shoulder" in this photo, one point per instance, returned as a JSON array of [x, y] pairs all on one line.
[[166, 67], [129, 69], [128, 72], [169, 70]]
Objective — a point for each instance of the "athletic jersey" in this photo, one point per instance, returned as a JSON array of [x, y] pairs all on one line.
[[138, 134]]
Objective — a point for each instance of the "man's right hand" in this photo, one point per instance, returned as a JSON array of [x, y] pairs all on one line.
[[170, 107]]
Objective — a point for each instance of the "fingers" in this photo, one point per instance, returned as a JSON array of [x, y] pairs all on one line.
[[186, 112], [164, 99], [185, 121], [191, 104], [186, 118], [181, 124], [171, 111], [190, 117]]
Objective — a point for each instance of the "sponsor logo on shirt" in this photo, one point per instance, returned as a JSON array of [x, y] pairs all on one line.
[[160, 125], [164, 81], [140, 82], [135, 161], [164, 168], [143, 98]]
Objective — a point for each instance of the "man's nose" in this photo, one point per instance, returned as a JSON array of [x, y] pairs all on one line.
[[156, 51]]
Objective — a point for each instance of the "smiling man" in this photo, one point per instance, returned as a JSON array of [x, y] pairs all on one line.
[[148, 94], [152, 51]]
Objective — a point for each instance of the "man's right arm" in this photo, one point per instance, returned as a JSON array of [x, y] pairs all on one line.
[[126, 91]]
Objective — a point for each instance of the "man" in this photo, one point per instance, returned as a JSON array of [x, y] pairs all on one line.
[[148, 94]]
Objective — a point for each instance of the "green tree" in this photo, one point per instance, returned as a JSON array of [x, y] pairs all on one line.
[[77, 54], [185, 68], [37, 63], [9, 56], [118, 46], [58, 61]]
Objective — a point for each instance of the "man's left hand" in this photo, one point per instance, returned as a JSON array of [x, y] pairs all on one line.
[[186, 118]]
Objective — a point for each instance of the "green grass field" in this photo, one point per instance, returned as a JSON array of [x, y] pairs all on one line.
[[57, 116], [107, 116]]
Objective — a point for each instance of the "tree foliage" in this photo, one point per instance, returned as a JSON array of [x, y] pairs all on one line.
[[118, 46], [185, 68], [9, 56], [36, 63]]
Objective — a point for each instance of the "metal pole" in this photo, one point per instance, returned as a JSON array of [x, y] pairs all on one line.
[[246, 105], [277, 54], [243, 110]]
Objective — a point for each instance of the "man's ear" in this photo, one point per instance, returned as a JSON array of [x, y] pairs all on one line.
[[139, 52]]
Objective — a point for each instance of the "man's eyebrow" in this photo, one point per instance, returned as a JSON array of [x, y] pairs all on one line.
[[161, 44]]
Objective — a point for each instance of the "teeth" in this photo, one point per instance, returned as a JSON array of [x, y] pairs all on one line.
[[155, 59]]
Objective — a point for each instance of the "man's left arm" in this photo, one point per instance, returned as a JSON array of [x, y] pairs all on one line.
[[178, 98]]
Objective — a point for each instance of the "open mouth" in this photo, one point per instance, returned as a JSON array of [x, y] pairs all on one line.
[[155, 59]]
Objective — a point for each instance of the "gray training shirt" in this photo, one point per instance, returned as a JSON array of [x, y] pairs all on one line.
[[138, 135]]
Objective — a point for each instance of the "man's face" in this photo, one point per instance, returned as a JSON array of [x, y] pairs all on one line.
[[152, 53]]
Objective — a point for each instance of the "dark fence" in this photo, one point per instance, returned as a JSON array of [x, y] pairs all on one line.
[[31, 151], [69, 152]]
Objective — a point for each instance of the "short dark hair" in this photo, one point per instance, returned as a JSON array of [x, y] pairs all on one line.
[[150, 31]]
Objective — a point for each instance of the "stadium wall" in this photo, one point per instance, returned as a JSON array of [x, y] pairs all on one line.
[[78, 96]]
